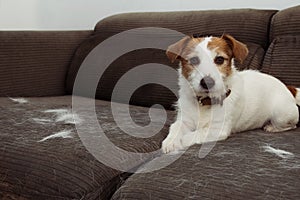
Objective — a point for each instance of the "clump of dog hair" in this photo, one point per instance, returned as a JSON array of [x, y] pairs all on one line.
[[19, 100], [61, 134], [65, 116], [278, 152], [42, 121]]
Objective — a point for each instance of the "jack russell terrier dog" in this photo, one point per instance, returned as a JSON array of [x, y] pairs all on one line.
[[216, 100]]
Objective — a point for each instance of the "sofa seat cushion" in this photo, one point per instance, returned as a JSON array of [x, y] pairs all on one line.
[[238, 168], [282, 59], [33, 166]]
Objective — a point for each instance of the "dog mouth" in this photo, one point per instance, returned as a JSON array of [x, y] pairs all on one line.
[[212, 100], [206, 91], [209, 86]]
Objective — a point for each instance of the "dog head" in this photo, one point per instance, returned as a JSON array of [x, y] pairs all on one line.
[[207, 62]]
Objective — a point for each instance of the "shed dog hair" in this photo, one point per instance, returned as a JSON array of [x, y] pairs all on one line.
[[216, 100]]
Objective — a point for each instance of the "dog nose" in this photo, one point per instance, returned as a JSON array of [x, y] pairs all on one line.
[[207, 82]]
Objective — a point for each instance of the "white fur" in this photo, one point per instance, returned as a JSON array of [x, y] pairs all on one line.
[[61, 110], [65, 115], [278, 152], [68, 118], [42, 121], [257, 100], [61, 134], [206, 56], [298, 96], [19, 100]]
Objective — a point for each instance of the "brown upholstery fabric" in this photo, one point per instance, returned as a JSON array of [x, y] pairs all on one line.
[[254, 59], [35, 63], [238, 168], [60, 168], [282, 59], [249, 26], [146, 95], [285, 22]]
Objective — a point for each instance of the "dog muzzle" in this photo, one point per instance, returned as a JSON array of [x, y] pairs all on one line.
[[207, 101]]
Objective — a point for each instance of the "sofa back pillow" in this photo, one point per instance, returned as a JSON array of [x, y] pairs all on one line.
[[282, 60], [247, 25], [35, 63], [286, 22], [282, 57]]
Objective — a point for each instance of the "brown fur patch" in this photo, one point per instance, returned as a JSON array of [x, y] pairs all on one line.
[[174, 51], [180, 51], [240, 50], [293, 90], [186, 69], [223, 49], [221, 46], [226, 46]]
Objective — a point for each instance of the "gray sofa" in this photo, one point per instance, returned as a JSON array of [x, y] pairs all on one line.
[[41, 66]]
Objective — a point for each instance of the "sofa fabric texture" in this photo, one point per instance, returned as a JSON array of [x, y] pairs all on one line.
[[43, 66], [285, 22], [234, 169], [60, 168], [35, 63], [249, 26], [282, 59]]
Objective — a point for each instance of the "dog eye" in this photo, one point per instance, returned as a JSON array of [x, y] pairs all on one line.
[[194, 60], [219, 60]]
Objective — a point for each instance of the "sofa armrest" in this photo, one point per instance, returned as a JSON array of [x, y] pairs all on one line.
[[35, 63]]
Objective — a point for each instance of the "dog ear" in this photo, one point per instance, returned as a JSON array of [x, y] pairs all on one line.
[[240, 50], [174, 51]]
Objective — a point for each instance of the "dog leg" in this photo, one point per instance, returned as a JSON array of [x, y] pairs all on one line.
[[274, 128], [283, 119], [218, 129], [204, 136], [173, 141]]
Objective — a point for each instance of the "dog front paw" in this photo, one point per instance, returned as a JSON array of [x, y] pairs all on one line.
[[171, 144]]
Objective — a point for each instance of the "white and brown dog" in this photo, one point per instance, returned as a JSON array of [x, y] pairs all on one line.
[[216, 100]]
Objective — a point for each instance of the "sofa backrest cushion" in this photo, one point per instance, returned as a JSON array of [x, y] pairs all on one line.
[[146, 95], [282, 57], [285, 22], [247, 25], [282, 60], [35, 63]]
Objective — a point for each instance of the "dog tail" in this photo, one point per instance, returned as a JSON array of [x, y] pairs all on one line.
[[296, 93]]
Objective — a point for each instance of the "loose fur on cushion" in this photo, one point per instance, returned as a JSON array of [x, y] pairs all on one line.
[[61, 134], [19, 100], [278, 152]]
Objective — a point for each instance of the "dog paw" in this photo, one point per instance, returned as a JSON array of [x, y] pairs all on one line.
[[269, 128], [273, 129], [172, 145]]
